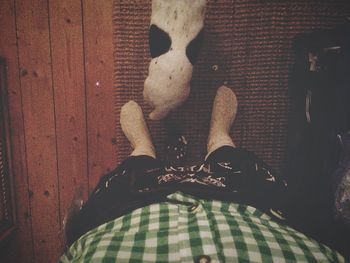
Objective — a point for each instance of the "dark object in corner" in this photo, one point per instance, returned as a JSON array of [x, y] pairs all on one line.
[[320, 110], [342, 182]]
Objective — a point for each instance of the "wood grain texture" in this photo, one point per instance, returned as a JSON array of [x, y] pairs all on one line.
[[69, 91], [98, 35], [73, 101], [20, 246], [39, 126]]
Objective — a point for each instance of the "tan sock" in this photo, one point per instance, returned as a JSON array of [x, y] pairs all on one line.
[[222, 117], [135, 129]]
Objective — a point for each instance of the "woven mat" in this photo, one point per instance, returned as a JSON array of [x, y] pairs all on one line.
[[248, 45]]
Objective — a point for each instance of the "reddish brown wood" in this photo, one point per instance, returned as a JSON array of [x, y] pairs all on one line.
[[39, 126], [98, 38], [20, 246], [36, 119], [69, 91]]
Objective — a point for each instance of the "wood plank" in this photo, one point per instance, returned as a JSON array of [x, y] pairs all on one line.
[[39, 125], [69, 90], [20, 247], [98, 39]]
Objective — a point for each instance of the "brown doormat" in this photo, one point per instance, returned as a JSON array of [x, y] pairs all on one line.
[[248, 46]]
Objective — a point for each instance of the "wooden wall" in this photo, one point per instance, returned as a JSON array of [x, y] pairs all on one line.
[[60, 80], [61, 102]]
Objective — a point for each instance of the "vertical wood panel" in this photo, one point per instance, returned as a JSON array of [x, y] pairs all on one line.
[[49, 134], [98, 38], [69, 91], [20, 247], [39, 125]]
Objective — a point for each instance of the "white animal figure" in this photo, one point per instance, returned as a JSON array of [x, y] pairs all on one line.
[[175, 39]]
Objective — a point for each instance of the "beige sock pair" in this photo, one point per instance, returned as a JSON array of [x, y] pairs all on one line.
[[223, 114]]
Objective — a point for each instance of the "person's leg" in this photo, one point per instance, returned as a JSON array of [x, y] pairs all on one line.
[[113, 196], [135, 129], [220, 147], [142, 160], [222, 117], [223, 157], [247, 177]]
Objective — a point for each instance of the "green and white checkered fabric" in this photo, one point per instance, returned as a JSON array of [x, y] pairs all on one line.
[[186, 227]]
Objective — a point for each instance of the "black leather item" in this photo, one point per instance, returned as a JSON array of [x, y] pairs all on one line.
[[319, 92]]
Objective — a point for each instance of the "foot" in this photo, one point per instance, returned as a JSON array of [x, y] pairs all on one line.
[[135, 129], [222, 117]]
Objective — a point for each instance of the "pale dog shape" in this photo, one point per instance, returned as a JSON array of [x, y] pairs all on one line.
[[175, 38]]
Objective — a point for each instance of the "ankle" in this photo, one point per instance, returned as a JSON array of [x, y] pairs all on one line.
[[144, 150], [218, 140], [144, 147]]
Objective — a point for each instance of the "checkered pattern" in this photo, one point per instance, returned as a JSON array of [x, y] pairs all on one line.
[[184, 227]]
